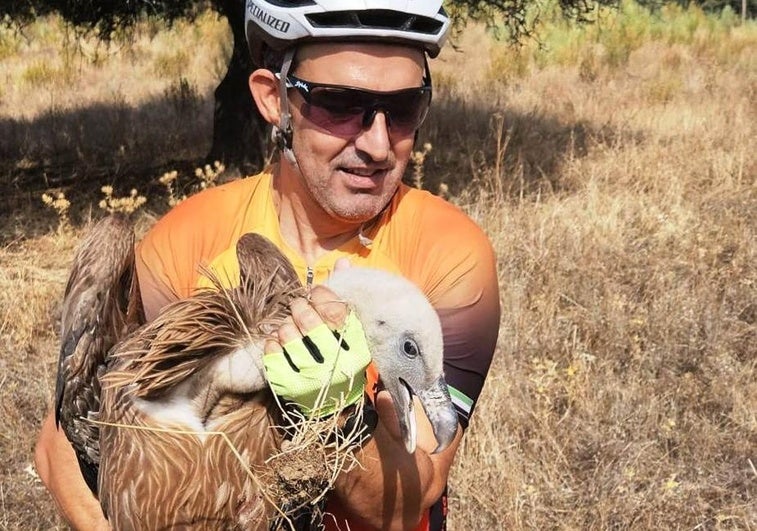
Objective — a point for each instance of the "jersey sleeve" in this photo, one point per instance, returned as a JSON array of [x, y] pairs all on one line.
[[469, 312], [165, 260], [455, 265]]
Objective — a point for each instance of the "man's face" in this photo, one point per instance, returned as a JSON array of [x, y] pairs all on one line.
[[353, 176]]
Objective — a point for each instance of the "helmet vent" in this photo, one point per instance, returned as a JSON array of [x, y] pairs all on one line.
[[376, 19]]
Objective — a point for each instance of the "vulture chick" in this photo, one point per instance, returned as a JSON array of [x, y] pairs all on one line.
[[405, 337], [186, 426]]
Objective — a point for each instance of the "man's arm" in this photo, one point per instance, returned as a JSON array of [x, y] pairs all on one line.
[[58, 468], [393, 489]]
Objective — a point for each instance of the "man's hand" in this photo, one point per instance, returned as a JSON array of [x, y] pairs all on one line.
[[58, 469], [319, 359]]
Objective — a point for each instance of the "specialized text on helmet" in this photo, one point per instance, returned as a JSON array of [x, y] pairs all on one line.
[[267, 19]]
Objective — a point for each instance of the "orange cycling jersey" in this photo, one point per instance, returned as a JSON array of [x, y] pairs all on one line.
[[418, 235]]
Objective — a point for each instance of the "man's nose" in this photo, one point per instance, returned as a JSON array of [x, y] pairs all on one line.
[[373, 140]]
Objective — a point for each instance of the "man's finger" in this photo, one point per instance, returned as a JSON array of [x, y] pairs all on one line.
[[304, 315], [272, 347], [329, 306], [287, 332]]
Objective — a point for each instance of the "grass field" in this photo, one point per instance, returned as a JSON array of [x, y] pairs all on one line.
[[614, 170]]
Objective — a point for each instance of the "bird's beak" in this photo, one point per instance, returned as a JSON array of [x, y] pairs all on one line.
[[438, 406], [402, 397], [441, 413]]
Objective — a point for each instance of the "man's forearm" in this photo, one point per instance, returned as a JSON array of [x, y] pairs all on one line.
[[392, 489], [59, 470], [386, 490]]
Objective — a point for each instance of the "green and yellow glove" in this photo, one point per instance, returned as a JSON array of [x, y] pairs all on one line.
[[322, 371]]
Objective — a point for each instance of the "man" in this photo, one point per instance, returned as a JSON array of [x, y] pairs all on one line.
[[346, 89]]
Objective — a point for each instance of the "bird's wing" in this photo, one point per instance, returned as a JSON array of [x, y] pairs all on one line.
[[186, 371], [268, 280], [94, 317], [191, 334]]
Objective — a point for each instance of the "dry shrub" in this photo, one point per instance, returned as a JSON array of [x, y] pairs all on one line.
[[623, 392]]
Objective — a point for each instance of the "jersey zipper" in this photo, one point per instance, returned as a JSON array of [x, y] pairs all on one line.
[[309, 278]]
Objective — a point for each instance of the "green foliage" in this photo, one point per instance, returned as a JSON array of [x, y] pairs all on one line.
[[717, 6], [512, 19], [103, 17], [592, 35], [608, 43], [516, 19]]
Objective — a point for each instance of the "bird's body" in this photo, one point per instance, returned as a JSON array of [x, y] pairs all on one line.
[[185, 477], [186, 423], [186, 397]]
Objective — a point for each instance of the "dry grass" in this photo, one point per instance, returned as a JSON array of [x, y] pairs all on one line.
[[32, 275], [624, 390], [620, 194], [80, 111]]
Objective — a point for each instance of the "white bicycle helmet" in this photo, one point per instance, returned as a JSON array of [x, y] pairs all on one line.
[[281, 24]]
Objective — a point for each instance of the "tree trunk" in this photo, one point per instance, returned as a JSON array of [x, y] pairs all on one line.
[[239, 131]]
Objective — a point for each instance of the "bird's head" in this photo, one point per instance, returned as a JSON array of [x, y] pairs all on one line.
[[405, 338]]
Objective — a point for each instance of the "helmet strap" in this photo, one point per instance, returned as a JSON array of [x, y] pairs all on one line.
[[427, 80], [282, 135]]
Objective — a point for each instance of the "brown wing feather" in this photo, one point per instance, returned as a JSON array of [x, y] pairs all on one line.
[[94, 318], [162, 480], [190, 334]]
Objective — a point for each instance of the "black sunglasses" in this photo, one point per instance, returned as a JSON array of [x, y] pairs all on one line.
[[345, 111]]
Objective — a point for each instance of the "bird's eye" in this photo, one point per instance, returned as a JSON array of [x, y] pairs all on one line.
[[410, 348]]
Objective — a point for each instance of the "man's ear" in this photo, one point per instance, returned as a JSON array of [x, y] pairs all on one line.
[[265, 91]]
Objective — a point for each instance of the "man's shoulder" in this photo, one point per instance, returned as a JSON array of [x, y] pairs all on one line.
[[433, 242], [226, 195], [431, 217], [439, 247], [217, 206]]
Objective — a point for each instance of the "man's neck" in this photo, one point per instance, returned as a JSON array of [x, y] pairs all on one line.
[[305, 226]]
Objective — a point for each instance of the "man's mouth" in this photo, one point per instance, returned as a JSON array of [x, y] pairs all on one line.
[[364, 179], [363, 172]]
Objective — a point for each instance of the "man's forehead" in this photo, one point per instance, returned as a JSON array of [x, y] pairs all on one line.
[[356, 51]]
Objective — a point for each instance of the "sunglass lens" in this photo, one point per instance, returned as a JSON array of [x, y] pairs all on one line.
[[335, 109], [344, 111], [408, 109]]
